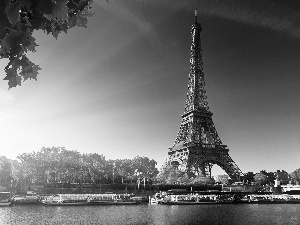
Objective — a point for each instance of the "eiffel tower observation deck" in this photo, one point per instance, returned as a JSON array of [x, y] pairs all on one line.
[[198, 146]]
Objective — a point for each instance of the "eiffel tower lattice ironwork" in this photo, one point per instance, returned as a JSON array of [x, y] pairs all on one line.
[[198, 146]]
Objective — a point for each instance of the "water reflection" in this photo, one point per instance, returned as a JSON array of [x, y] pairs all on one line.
[[151, 214]]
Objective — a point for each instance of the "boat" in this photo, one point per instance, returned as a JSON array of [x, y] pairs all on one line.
[[195, 202], [54, 203], [184, 197], [66, 200], [112, 199], [5, 199], [5, 203], [88, 199], [274, 199], [25, 200]]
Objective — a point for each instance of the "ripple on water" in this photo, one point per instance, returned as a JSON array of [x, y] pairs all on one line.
[[151, 214]]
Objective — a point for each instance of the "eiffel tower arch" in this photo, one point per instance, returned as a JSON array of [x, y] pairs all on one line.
[[198, 146]]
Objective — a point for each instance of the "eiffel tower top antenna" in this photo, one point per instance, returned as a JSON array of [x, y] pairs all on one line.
[[196, 15]]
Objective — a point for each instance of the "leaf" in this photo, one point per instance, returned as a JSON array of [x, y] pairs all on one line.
[[13, 12], [4, 47], [73, 21], [64, 27], [55, 29], [30, 73], [16, 39], [31, 46], [38, 23], [81, 20], [14, 81], [12, 75], [82, 17], [24, 62], [83, 3], [60, 10]]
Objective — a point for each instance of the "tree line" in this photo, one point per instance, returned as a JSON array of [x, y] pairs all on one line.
[[59, 165]]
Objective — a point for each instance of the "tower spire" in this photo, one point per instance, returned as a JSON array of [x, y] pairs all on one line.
[[196, 96]]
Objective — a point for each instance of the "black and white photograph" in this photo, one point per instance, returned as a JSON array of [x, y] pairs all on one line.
[[149, 112]]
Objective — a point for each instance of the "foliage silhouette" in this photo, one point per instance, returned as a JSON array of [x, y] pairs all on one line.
[[18, 20]]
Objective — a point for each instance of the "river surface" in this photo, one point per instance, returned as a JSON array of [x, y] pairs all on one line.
[[152, 214]]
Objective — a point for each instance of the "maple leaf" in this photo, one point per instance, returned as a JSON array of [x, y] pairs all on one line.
[[30, 73], [16, 40], [64, 27], [24, 62], [38, 23], [81, 20], [60, 10], [18, 19], [55, 29], [10, 72], [31, 46], [4, 47], [13, 12], [12, 75], [73, 21], [83, 4], [14, 81]]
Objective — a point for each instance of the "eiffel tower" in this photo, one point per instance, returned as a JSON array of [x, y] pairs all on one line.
[[198, 146]]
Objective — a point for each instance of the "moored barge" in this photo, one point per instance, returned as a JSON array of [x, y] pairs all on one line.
[[5, 199], [88, 199], [199, 198]]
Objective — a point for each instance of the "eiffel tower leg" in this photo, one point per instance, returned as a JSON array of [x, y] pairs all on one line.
[[202, 170], [210, 165], [206, 171]]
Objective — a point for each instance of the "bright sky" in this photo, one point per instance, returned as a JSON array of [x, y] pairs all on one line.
[[118, 88]]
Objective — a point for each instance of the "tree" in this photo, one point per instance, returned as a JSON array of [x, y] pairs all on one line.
[[261, 178], [203, 180], [123, 168], [295, 176], [29, 168], [283, 176], [224, 179], [18, 20], [59, 165], [144, 168], [248, 177], [169, 174], [5, 171]]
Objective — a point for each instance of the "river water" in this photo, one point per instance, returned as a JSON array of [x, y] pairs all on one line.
[[152, 214]]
